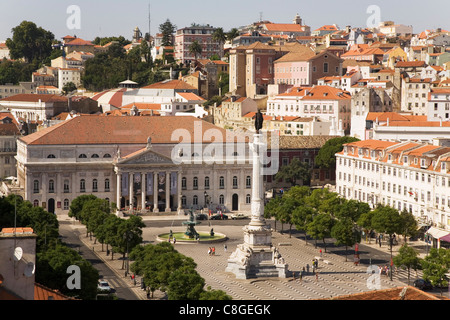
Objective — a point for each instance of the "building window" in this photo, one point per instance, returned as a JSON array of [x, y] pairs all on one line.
[[221, 199], [195, 200], [248, 182], [95, 156], [183, 183], [51, 186], [66, 186], [82, 156], [107, 185], [248, 199], [51, 156], [35, 186], [82, 185], [183, 200], [66, 204], [94, 185], [222, 183], [235, 182], [195, 183], [107, 156], [36, 203], [207, 183], [325, 67]]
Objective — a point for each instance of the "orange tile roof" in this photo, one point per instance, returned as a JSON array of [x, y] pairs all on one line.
[[411, 293], [410, 64], [421, 150], [284, 27], [326, 93], [171, 84], [190, 96], [43, 293], [35, 98], [79, 42], [8, 231], [97, 129]]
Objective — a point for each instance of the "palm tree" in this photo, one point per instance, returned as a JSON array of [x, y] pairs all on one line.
[[220, 37], [195, 48]]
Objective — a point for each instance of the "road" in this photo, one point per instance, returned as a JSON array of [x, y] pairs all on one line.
[[71, 237]]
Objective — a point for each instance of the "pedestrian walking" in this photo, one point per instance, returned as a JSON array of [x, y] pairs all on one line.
[[320, 253], [174, 240], [213, 251], [225, 247], [209, 251], [301, 276]]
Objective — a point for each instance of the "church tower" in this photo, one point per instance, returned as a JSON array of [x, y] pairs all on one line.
[[137, 35], [297, 20]]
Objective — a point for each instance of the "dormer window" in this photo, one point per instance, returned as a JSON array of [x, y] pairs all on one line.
[[390, 157], [443, 166], [423, 163], [415, 160], [405, 160]]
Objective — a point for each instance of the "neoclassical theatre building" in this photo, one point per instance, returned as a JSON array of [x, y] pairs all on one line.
[[137, 162]]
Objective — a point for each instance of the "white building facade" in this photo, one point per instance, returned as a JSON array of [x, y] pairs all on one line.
[[403, 175], [148, 164]]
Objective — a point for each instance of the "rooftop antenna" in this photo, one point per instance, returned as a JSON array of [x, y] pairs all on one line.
[[260, 16]]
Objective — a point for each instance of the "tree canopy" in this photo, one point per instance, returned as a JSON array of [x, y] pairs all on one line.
[[326, 158], [30, 42]]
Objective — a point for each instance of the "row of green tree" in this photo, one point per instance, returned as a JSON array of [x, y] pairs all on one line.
[[53, 256], [161, 266], [322, 214]]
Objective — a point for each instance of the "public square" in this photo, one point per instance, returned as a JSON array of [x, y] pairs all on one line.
[[336, 275]]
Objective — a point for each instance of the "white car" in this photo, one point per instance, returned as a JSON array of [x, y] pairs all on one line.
[[103, 286], [238, 216]]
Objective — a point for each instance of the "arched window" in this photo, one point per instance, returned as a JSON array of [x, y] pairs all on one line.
[[36, 203], [107, 155], [51, 186], [94, 185], [248, 182], [221, 199], [195, 201], [95, 156], [66, 204], [183, 183], [51, 156], [82, 156], [248, 199], [195, 183], [183, 201], [36, 186], [222, 183], [107, 185], [82, 185], [206, 183]]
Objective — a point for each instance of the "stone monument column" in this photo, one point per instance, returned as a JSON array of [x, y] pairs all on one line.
[[257, 257]]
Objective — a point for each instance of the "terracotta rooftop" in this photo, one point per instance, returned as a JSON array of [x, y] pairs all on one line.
[[170, 84], [410, 293], [43, 293], [97, 129], [34, 98]]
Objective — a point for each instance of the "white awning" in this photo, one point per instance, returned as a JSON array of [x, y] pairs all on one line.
[[437, 233]]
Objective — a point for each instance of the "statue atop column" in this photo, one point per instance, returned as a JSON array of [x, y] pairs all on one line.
[[259, 120]]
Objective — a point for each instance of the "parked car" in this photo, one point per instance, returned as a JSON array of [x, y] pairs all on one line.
[[219, 216], [201, 216], [103, 286], [238, 216], [423, 284]]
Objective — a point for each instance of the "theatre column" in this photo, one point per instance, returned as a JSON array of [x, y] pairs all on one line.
[[168, 209], [119, 191], [155, 192], [131, 196], [143, 191], [179, 195]]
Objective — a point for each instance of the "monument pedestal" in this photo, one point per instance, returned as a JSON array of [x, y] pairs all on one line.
[[257, 257]]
